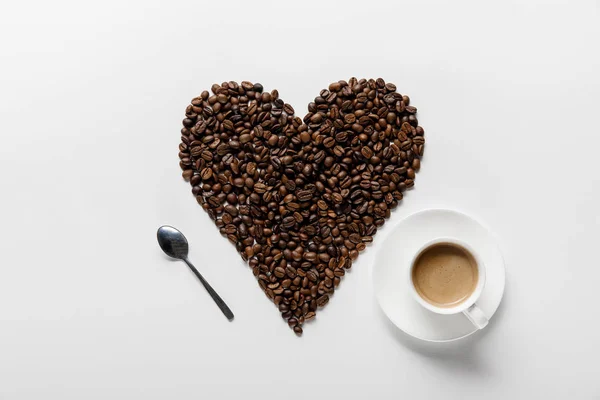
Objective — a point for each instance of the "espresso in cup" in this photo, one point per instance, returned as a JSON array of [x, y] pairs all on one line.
[[445, 274]]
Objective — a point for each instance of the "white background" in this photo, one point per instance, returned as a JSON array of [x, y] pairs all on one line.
[[91, 100]]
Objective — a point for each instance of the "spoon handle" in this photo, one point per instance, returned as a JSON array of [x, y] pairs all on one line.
[[211, 291]]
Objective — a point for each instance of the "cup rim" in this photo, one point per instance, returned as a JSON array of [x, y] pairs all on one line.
[[472, 299]]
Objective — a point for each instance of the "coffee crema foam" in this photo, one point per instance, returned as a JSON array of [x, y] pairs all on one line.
[[445, 274]]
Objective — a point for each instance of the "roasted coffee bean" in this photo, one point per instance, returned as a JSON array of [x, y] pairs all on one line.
[[205, 174], [300, 198], [279, 272], [290, 271], [323, 300], [289, 222]]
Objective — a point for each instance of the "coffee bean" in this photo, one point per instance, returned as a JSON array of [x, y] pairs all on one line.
[[290, 271], [187, 174], [300, 198], [304, 195], [232, 210], [288, 109], [329, 142], [310, 256], [279, 272], [355, 238], [323, 300], [289, 222], [206, 174]]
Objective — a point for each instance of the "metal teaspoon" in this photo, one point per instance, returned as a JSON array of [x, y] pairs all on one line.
[[175, 245]]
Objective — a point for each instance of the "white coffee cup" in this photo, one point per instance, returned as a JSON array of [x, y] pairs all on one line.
[[469, 305]]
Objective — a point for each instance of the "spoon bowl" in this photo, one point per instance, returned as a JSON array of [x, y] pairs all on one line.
[[172, 242]]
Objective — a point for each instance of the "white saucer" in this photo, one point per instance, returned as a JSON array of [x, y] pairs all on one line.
[[393, 258]]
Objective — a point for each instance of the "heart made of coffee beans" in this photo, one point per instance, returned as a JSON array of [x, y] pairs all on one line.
[[300, 199]]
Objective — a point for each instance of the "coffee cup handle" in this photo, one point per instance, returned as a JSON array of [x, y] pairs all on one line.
[[476, 316]]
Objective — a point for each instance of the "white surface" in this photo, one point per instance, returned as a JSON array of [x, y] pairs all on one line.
[[91, 99], [392, 283]]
